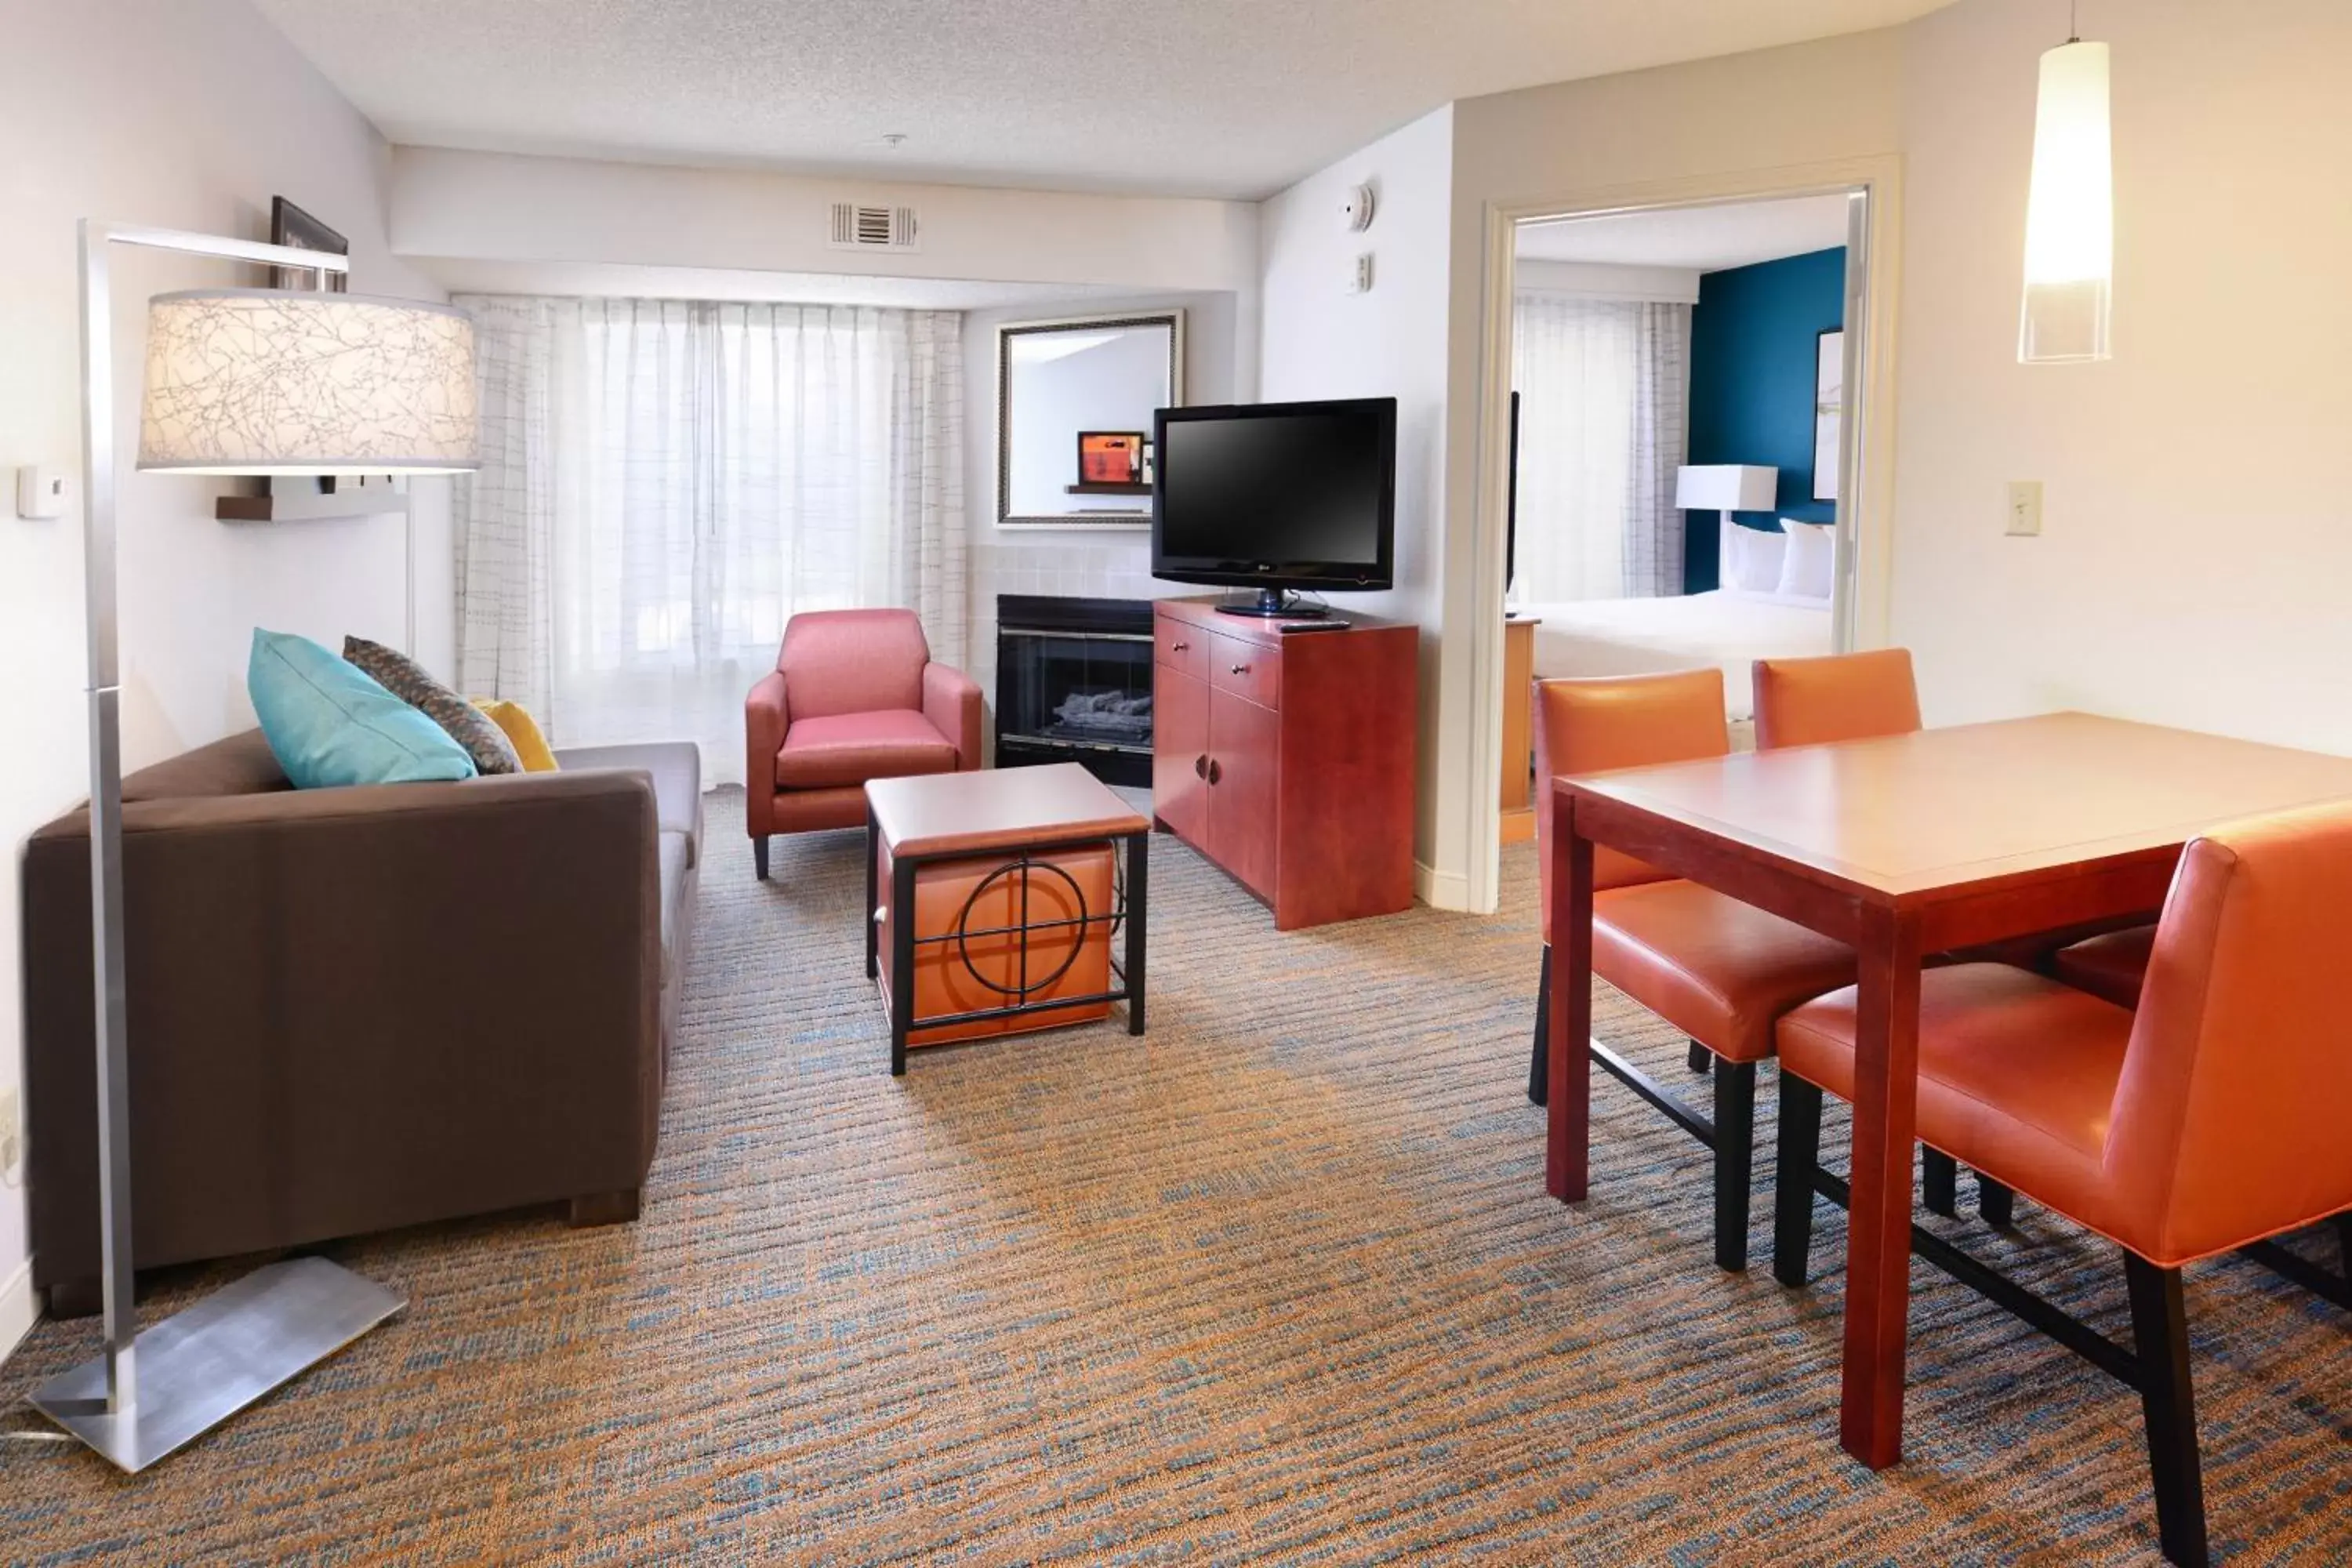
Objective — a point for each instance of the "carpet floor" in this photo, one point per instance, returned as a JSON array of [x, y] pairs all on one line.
[[1277, 1283]]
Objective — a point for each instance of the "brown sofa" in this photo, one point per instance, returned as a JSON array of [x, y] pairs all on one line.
[[355, 1009]]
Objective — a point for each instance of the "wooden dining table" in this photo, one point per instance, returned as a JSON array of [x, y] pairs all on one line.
[[1901, 845]]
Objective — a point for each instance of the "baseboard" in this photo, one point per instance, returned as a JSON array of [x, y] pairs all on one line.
[[1440, 890], [19, 1311]]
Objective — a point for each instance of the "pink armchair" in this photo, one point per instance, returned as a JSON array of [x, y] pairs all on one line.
[[854, 696]]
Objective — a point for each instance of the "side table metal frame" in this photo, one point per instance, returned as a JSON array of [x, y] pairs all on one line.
[[1129, 907]]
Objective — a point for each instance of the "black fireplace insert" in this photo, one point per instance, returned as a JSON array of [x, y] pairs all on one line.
[[1074, 684]]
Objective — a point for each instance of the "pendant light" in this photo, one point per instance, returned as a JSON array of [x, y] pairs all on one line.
[[2070, 213]]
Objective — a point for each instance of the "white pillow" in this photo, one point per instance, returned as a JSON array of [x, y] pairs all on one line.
[[1808, 559], [1752, 559]]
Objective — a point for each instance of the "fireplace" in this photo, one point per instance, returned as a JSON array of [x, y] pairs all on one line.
[[1074, 684]]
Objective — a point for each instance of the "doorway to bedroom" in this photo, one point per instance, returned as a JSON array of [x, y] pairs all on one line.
[[1677, 413]]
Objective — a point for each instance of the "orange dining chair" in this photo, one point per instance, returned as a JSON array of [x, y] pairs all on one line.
[[1718, 970], [2211, 1119], [1837, 697], [2112, 965], [1856, 697]]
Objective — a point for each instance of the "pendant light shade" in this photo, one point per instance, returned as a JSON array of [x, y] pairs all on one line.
[[268, 381], [2070, 216]]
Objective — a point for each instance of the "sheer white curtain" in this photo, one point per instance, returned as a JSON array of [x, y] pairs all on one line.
[[665, 483], [1604, 386]]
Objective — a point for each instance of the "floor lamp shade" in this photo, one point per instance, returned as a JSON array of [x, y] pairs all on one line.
[[2070, 212], [266, 381]]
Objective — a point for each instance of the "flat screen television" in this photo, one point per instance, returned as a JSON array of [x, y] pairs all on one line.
[[1278, 497]]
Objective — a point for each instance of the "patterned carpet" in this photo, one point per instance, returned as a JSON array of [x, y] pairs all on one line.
[[1278, 1283]]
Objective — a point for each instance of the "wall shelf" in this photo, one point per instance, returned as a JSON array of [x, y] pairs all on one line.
[[1102, 488]]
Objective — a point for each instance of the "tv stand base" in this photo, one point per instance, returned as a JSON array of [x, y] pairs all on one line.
[[1275, 604]]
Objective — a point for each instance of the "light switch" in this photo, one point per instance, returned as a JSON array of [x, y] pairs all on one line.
[[2024, 507]]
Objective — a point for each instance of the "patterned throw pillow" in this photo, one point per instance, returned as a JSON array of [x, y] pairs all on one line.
[[406, 678]]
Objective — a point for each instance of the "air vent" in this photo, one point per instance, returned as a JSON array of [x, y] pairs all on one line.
[[856, 226]]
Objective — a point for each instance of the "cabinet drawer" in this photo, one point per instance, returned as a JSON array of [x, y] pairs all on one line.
[[1246, 669], [1179, 646]]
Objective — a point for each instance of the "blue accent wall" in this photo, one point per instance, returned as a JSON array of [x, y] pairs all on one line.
[[1754, 337]]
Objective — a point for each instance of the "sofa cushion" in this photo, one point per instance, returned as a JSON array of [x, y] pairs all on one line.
[[330, 723], [236, 765], [847, 749], [674, 854], [468, 725], [676, 769]]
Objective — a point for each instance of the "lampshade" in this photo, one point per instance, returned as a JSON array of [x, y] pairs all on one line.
[[268, 381], [1727, 487], [2070, 212]]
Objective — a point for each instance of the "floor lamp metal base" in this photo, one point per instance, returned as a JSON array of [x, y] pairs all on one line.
[[201, 1366]]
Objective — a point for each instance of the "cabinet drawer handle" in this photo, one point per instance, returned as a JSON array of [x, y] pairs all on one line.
[[1239, 670], [1179, 646], [1201, 766], [1215, 772]]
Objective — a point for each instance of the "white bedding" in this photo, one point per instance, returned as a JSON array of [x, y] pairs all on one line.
[[1690, 631]]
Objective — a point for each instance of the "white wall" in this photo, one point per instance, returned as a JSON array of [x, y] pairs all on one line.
[[2197, 548], [506, 207], [188, 114], [1319, 341], [1419, 333]]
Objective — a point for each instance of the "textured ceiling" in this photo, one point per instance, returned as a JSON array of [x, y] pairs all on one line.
[[1702, 239], [1219, 98]]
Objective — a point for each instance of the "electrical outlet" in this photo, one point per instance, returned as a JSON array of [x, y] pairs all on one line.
[[2024, 507], [12, 1142]]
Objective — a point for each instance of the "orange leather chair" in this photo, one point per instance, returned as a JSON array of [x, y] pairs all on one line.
[[2212, 1119], [2112, 966], [1838, 696], [1720, 971], [1853, 696]]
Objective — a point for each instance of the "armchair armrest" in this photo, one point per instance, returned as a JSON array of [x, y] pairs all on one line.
[[766, 716], [951, 702]]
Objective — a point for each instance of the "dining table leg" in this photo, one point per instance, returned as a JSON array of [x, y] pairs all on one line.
[[1878, 1233], [1569, 1027]]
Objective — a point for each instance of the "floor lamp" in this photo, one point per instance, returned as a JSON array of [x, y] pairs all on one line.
[[238, 381]]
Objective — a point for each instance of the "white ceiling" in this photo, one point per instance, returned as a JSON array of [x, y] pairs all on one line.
[[1218, 97], [1701, 239]]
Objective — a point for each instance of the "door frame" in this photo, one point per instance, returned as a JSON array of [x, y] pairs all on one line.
[[1866, 477]]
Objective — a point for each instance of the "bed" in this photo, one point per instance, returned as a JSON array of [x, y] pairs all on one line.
[[1726, 628]]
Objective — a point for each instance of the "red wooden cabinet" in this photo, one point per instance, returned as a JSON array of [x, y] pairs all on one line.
[[1288, 759], [1179, 750]]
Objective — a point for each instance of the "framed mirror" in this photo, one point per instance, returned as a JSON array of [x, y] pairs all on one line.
[[1073, 405]]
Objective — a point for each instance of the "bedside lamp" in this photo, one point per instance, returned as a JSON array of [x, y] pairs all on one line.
[[1727, 488], [239, 381]]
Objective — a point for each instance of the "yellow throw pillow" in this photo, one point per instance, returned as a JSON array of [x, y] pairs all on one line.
[[521, 732]]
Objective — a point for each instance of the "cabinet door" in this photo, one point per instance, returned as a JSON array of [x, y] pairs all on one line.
[[1244, 746], [1180, 753]]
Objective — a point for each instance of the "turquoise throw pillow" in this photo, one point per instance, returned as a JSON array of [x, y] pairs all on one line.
[[331, 724]]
